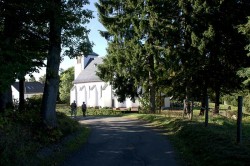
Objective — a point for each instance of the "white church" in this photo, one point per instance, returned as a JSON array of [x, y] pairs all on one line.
[[89, 88]]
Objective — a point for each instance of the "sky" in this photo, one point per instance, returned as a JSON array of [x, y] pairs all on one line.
[[100, 44]]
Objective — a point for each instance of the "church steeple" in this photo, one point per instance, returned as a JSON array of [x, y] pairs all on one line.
[[83, 61]]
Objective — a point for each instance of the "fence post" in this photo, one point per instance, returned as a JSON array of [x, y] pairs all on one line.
[[206, 113], [239, 120]]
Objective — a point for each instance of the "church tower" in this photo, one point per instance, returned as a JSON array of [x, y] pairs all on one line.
[[82, 62], [78, 66]]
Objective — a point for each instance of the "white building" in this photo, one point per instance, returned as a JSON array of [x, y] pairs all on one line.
[[89, 88]]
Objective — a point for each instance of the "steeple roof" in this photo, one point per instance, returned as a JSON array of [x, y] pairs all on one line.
[[89, 73]]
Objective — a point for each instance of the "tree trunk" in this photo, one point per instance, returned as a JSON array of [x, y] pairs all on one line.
[[152, 89], [217, 101], [6, 99], [21, 94], [48, 109], [2, 102], [203, 101], [152, 99]]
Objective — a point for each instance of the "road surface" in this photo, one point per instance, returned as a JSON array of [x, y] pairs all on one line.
[[119, 141]]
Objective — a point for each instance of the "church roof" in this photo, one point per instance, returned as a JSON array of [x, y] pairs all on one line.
[[89, 73]]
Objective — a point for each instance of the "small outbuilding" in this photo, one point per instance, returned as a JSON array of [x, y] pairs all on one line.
[[30, 89]]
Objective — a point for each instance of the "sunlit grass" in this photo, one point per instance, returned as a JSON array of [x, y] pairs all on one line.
[[199, 145], [63, 108]]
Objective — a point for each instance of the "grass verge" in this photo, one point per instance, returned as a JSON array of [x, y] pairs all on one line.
[[199, 145], [57, 153]]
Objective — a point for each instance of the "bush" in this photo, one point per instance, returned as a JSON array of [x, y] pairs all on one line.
[[34, 102], [22, 135], [145, 105], [102, 112], [233, 99]]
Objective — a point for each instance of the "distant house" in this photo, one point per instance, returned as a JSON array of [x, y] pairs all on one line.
[[30, 89]]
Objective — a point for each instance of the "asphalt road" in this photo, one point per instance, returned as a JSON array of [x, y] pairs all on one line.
[[118, 141]]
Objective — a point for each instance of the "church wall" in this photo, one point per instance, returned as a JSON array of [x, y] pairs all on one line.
[[72, 94], [118, 104], [91, 94], [81, 95], [106, 96], [98, 94], [130, 103]]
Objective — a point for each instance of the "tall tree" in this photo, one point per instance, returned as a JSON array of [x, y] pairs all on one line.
[[214, 49], [66, 22], [137, 33], [23, 45], [53, 62], [9, 32], [245, 29], [24, 36]]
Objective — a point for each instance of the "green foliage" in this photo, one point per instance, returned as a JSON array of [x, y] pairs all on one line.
[[24, 140], [23, 39], [210, 55], [245, 29], [67, 29], [230, 99], [185, 47], [65, 109], [144, 107], [66, 79], [246, 101], [245, 74], [42, 78], [102, 112], [33, 102], [139, 42], [233, 99], [74, 17]]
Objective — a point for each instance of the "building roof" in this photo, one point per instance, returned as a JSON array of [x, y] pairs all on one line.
[[30, 87], [93, 54], [89, 73]]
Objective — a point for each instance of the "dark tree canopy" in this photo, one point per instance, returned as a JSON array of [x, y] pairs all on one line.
[[34, 31], [180, 47]]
